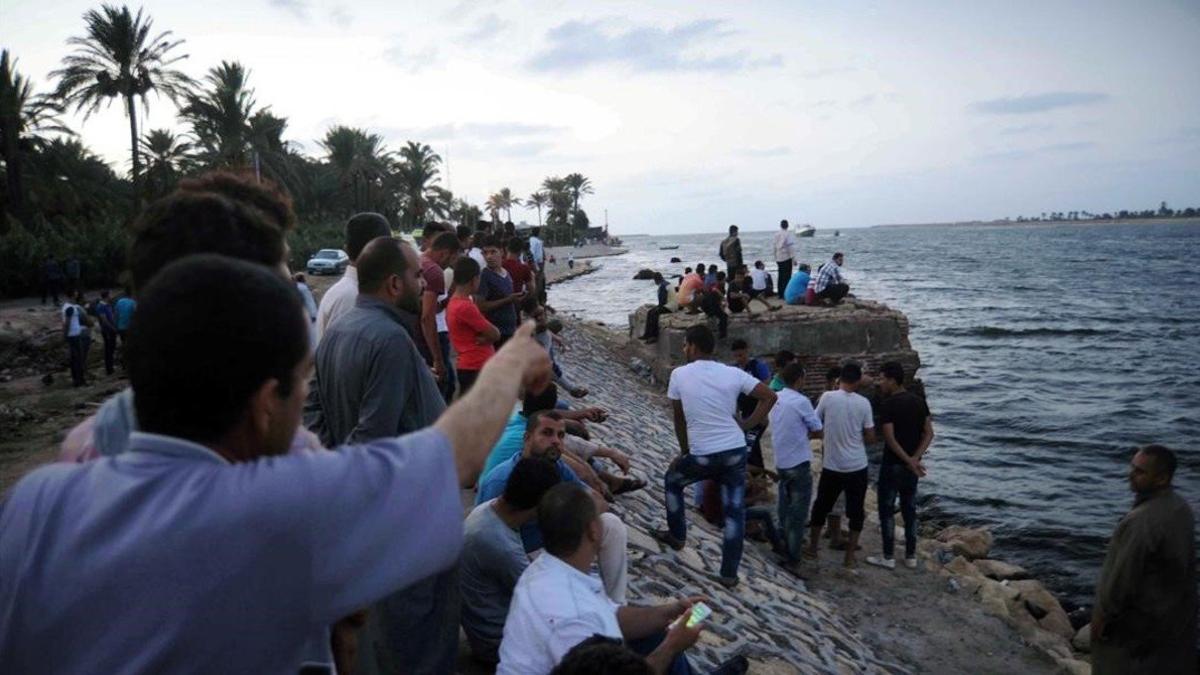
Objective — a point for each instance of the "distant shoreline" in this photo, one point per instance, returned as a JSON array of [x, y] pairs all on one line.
[[1044, 223]]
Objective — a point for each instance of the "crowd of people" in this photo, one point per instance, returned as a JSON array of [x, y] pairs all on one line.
[[251, 504]]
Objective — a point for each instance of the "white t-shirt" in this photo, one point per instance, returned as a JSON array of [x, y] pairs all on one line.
[[709, 391], [338, 300], [759, 278], [845, 416], [75, 327], [476, 254], [791, 420]]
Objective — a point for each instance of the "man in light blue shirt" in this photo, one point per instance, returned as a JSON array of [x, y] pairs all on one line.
[[793, 422], [205, 548]]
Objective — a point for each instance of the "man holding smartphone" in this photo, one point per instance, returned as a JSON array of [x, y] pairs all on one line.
[[496, 298]]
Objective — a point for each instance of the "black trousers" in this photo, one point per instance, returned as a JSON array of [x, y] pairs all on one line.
[[834, 292], [785, 275], [466, 380], [110, 349], [832, 484], [710, 304], [652, 321]]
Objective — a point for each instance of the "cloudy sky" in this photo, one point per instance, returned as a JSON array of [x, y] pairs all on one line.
[[689, 116]]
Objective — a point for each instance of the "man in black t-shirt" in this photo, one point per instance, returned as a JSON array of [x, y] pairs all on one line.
[[907, 432]]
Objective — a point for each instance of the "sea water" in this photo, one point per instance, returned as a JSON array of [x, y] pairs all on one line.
[[1048, 352]]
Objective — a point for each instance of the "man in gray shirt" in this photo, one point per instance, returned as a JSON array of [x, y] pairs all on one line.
[[371, 383], [493, 555]]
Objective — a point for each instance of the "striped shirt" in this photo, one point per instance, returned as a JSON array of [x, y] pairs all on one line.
[[829, 273]]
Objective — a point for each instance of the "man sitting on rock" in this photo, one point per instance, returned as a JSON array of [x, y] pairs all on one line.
[[712, 442], [1144, 619], [493, 556], [831, 285], [557, 604], [544, 434], [847, 419]]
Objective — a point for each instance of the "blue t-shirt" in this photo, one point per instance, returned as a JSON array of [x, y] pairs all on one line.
[[796, 288], [494, 286], [510, 443], [104, 310], [492, 485], [125, 307]]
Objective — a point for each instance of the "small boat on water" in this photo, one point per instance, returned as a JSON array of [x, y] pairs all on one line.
[[668, 248], [806, 230]]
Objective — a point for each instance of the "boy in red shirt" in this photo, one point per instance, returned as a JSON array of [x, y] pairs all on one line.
[[470, 332], [520, 273]]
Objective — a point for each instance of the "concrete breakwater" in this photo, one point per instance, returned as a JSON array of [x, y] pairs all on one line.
[[960, 612]]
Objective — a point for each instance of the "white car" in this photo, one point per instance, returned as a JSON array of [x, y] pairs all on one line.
[[328, 261]]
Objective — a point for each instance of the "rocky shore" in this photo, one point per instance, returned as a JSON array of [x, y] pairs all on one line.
[[958, 612]]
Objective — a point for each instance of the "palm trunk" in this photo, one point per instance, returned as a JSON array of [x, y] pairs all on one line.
[[539, 210], [12, 173], [133, 148]]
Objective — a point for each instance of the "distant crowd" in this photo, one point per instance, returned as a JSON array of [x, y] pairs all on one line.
[[252, 504]]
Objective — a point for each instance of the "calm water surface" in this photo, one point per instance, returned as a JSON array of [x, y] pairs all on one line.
[[1048, 352]]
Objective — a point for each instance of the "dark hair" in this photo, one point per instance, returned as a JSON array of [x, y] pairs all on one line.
[[563, 516], [532, 420], [446, 241], [687, 270], [245, 188], [758, 264], [529, 480], [804, 268], [833, 373], [464, 232], [851, 372], [555, 325], [658, 278], [893, 371], [599, 655], [298, 277], [535, 232], [1164, 458], [380, 259], [700, 268], [529, 304], [733, 229], [701, 337], [721, 276], [783, 224], [361, 229], [791, 373], [190, 222], [487, 241], [839, 254], [534, 404], [193, 379], [483, 227], [738, 344], [784, 357], [432, 230], [515, 244], [104, 294], [465, 269], [509, 228]]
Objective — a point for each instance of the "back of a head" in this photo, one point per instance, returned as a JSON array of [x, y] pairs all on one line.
[[658, 278], [465, 270], [851, 373], [738, 345], [783, 224], [244, 187], [701, 337], [193, 379], [563, 517], [529, 481], [599, 655], [361, 229], [791, 374], [1163, 457], [546, 400], [431, 231], [893, 371], [464, 232], [700, 268], [515, 245], [445, 241], [380, 259], [805, 268], [784, 357], [189, 222], [535, 232]]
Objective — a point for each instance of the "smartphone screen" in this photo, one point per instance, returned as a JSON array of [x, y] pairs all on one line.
[[700, 612]]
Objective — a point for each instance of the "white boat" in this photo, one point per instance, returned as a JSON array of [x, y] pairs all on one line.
[[806, 230]]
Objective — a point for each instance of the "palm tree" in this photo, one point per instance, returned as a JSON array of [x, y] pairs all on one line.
[[578, 185], [417, 173], [559, 194], [271, 154], [220, 115], [537, 200], [360, 160], [168, 156], [507, 201], [494, 204], [23, 117], [119, 58]]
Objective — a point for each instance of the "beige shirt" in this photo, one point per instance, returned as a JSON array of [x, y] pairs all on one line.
[[338, 300]]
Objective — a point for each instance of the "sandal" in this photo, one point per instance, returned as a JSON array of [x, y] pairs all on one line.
[[629, 485]]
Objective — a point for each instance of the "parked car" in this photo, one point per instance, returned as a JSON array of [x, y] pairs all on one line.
[[328, 261]]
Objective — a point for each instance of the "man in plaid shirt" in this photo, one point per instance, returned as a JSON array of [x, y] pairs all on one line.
[[830, 284]]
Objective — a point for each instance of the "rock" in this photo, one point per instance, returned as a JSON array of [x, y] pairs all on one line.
[[676, 260], [1083, 639], [1073, 667], [639, 539], [960, 566], [644, 274], [994, 589], [1043, 606], [995, 606], [1050, 643], [1000, 570], [972, 544]]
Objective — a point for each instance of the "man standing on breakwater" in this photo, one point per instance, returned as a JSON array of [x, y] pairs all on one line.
[[712, 442], [731, 251], [1144, 620], [785, 250], [846, 416], [793, 422]]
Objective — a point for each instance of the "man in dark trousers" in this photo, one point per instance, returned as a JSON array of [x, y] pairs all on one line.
[[731, 251], [1144, 619], [371, 382]]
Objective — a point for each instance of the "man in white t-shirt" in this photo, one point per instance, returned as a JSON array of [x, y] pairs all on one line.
[[849, 426], [339, 299], [75, 330], [793, 423], [712, 441], [785, 250]]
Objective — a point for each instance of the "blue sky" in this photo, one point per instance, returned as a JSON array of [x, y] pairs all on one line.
[[690, 116]]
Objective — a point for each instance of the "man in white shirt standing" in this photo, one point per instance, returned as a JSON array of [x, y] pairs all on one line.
[[339, 299], [537, 257], [557, 604], [849, 425], [712, 442], [793, 422], [75, 330], [785, 250]]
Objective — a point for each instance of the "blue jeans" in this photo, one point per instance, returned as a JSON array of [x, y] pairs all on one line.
[[728, 468], [896, 478], [795, 496]]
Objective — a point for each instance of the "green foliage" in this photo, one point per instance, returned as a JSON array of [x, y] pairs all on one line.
[[99, 245]]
